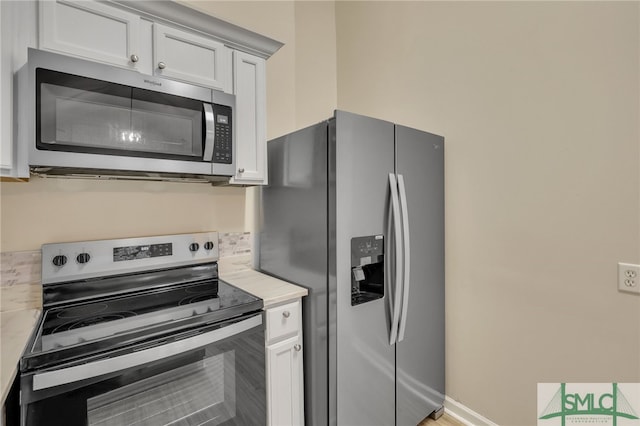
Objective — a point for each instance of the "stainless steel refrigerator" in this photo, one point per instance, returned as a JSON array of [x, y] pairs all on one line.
[[354, 212]]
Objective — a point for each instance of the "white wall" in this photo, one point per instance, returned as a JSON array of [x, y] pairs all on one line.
[[539, 105]]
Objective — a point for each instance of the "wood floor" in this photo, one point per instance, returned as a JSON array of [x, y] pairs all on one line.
[[445, 420]]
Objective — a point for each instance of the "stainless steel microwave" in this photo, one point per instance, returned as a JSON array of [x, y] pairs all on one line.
[[83, 118]]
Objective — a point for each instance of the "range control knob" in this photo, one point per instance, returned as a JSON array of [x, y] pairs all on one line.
[[193, 247], [83, 258], [59, 260], [208, 245]]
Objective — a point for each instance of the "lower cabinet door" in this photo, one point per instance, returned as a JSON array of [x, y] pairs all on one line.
[[285, 396]]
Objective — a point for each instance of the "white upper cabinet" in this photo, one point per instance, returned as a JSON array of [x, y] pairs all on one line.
[[251, 136], [189, 57], [18, 31], [91, 30], [163, 38]]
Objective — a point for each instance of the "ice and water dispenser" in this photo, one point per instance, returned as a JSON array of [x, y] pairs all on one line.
[[367, 269]]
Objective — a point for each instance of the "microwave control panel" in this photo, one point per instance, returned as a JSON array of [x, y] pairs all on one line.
[[222, 146]]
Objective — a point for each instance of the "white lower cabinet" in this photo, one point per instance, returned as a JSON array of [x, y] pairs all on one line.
[[285, 389]]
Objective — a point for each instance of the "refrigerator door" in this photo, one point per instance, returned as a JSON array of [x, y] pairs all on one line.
[[363, 153], [293, 246], [420, 355]]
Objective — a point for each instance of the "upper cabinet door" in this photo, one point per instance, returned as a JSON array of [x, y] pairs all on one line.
[[189, 57], [251, 137], [90, 29]]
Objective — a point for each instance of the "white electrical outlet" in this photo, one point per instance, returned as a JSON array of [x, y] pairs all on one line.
[[629, 277]]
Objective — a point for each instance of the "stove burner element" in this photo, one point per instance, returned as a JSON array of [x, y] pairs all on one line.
[[89, 321], [82, 311], [194, 299]]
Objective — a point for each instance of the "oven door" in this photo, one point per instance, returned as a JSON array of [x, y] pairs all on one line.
[[212, 376]]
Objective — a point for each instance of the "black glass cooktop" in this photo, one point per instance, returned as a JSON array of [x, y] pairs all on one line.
[[182, 300], [81, 329]]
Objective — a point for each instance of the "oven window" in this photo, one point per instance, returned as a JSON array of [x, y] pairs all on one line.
[[81, 114], [198, 393]]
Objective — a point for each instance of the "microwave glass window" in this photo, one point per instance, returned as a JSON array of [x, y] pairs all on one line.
[[82, 118], [166, 128], [106, 118]]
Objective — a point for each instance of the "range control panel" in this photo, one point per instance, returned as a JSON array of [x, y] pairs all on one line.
[[142, 252], [88, 259]]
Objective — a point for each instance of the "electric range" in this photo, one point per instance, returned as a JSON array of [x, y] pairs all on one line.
[[118, 314]]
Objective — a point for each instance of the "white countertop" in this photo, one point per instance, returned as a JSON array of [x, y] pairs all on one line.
[[15, 330], [271, 290]]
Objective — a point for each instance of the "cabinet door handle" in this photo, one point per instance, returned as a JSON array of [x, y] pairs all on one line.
[[162, 65], [134, 58], [297, 347], [286, 314], [240, 170]]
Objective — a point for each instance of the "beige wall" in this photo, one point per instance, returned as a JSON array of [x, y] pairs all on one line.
[[301, 89], [539, 105]]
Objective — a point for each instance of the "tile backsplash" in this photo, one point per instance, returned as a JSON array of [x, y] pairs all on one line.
[[20, 272], [20, 286]]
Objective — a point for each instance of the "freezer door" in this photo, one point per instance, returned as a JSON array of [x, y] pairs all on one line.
[[293, 246], [363, 152], [420, 355]]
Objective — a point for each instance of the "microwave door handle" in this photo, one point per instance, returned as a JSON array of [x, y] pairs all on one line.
[[210, 132]]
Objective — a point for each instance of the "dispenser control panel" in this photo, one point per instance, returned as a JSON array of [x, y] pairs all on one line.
[[367, 269]]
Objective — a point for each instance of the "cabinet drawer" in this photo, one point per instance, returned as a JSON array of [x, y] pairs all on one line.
[[283, 321]]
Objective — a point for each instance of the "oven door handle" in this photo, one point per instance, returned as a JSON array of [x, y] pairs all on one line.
[[76, 373]]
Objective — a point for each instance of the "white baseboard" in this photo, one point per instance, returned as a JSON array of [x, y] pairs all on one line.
[[464, 414]]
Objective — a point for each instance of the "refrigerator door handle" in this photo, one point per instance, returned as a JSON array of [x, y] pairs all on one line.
[[406, 279], [397, 283]]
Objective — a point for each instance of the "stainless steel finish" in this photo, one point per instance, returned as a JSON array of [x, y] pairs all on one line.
[[437, 413], [134, 58], [241, 170], [331, 329], [162, 65], [420, 356], [105, 366], [328, 184], [102, 263], [61, 163], [297, 347], [395, 286], [294, 246], [286, 314], [364, 159], [406, 254], [79, 173], [210, 132]]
